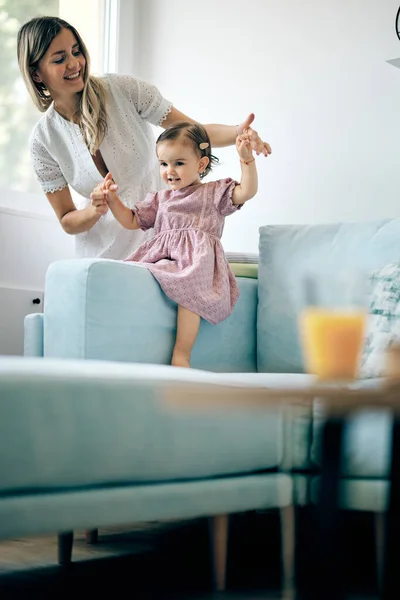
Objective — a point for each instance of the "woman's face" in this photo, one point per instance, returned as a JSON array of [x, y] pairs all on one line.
[[62, 68]]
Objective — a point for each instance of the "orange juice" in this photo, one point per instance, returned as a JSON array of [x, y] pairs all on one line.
[[332, 341]]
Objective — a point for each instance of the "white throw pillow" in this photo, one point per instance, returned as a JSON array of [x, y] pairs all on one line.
[[383, 325]]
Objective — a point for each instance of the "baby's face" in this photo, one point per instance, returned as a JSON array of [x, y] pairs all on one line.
[[180, 166]]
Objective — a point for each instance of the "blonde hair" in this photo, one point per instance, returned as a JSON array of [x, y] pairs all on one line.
[[34, 39]]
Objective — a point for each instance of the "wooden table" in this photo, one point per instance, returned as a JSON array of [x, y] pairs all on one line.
[[339, 402]]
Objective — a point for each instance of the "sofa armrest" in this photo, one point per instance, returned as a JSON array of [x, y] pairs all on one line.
[[33, 335], [112, 310]]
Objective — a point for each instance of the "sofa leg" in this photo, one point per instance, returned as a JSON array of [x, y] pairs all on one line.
[[65, 542], [92, 536], [288, 550], [379, 522], [219, 549]]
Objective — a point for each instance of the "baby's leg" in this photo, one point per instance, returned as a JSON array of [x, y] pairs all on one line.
[[187, 329]]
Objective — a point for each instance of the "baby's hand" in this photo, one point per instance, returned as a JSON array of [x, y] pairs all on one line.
[[110, 188], [243, 147], [104, 193]]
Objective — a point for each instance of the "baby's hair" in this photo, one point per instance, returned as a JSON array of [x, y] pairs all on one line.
[[196, 135]]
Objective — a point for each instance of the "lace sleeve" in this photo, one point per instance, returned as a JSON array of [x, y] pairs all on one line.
[[47, 170], [146, 98]]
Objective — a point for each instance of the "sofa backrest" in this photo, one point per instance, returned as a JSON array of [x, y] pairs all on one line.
[[111, 310], [287, 253]]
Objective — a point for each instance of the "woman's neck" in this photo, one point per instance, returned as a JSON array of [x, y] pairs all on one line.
[[68, 108]]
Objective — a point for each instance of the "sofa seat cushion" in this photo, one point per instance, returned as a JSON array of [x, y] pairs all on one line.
[[45, 512], [73, 424]]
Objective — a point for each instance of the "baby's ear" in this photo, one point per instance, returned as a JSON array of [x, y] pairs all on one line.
[[204, 162]]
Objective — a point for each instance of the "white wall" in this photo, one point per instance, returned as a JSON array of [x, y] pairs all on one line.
[[30, 239], [315, 74]]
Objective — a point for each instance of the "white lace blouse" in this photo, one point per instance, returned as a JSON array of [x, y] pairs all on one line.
[[60, 158]]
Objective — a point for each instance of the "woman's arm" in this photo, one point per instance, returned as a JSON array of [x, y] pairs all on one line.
[[72, 220], [223, 135]]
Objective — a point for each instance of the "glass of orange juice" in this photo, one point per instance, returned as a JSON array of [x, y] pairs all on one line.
[[332, 325]]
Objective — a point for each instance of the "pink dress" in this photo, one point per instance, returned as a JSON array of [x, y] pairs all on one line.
[[186, 255]]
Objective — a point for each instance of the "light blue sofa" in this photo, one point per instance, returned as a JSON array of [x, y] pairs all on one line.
[[91, 444]]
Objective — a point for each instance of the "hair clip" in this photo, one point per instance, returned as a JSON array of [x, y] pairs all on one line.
[[203, 145]]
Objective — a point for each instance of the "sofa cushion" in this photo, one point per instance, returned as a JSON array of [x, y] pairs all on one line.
[[287, 253], [78, 424], [383, 325], [112, 310]]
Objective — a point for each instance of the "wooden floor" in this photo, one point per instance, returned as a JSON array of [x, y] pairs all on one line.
[[152, 561]]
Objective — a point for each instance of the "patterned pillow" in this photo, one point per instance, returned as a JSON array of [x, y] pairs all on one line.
[[383, 326]]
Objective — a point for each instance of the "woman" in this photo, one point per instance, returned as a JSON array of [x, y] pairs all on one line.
[[93, 125]]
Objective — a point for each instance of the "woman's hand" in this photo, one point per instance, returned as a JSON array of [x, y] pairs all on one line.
[[98, 200], [106, 193], [103, 194], [256, 142]]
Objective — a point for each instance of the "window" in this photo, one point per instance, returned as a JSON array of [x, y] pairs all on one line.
[[17, 113]]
